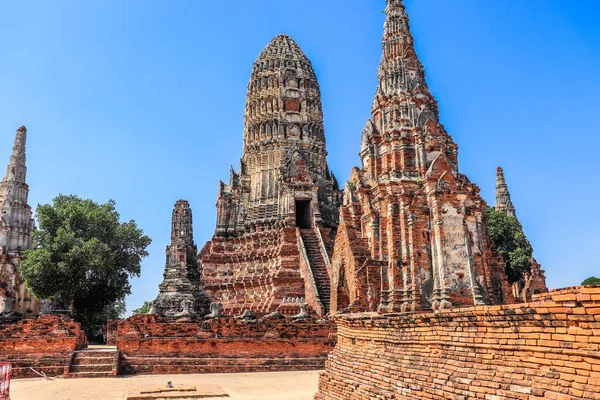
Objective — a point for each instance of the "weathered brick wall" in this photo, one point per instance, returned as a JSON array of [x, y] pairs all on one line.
[[44, 344], [150, 344], [546, 349], [254, 271], [111, 332]]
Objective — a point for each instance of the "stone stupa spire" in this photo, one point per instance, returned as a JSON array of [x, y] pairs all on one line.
[[16, 227], [181, 283], [503, 202], [16, 217], [419, 219]]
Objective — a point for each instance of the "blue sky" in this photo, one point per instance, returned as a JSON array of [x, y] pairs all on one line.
[[143, 102]]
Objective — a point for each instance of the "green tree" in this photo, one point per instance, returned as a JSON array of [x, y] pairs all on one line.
[[511, 243], [143, 309], [83, 255], [113, 311], [592, 280]]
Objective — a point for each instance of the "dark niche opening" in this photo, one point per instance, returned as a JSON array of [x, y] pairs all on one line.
[[303, 219]]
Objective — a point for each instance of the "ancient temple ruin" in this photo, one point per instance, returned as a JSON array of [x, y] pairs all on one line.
[[412, 232], [412, 244], [503, 201], [15, 231], [181, 292], [277, 217], [533, 282]]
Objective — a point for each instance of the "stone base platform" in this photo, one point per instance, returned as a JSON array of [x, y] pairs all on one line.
[[131, 365], [150, 344], [178, 392]]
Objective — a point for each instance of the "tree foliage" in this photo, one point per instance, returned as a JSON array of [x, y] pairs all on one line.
[[511, 243], [592, 280], [143, 309], [113, 311], [83, 255]]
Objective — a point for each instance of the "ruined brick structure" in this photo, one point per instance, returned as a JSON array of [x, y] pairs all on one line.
[[535, 281], [412, 232], [413, 226], [547, 349], [181, 285], [149, 344], [47, 344], [16, 227], [503, 201], [277, 216]]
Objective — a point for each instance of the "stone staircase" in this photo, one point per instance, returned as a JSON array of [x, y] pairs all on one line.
[[94, 363], [317, 265]]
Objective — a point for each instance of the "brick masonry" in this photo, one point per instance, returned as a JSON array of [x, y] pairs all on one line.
[[45, 344], [150, 344], [253, 262], [546, 349]]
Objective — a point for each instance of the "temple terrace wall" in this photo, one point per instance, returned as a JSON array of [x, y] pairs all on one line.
[[45, 344], [546, 349], [150, 344]]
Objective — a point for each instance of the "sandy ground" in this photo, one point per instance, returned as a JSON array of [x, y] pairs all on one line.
[[245, 386]]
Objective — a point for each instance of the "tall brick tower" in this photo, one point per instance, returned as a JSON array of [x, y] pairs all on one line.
[[503, 202], [535, 281], [181, 278], [412, 231], [16, 226], [277, 214]]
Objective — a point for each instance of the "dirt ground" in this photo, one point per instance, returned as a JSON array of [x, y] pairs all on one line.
[[244, 386]]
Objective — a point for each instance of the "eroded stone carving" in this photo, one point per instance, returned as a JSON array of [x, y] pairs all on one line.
[[302, 314], [152, 308], [274, 315], [186, 313], [216, 311], [246, 316]]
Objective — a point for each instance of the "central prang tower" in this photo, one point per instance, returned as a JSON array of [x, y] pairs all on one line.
[[278, 214], [412, 229]]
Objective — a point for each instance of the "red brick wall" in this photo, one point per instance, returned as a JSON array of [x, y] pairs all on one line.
[[547, 349], [150, 344], [44, 344], [111, 333], [262, 270]]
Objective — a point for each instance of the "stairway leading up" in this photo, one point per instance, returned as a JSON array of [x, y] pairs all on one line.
[[312, 245]]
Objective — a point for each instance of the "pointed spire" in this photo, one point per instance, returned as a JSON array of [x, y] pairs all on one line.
[[16, 169], [181, 280], [15, 218], [503, 202], [400, 69], [182, 233]]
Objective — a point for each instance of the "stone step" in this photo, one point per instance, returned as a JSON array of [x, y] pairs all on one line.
[[90, 375], [318, 267], [159, 365], [91, 368], [92, 361], [95, 353]]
